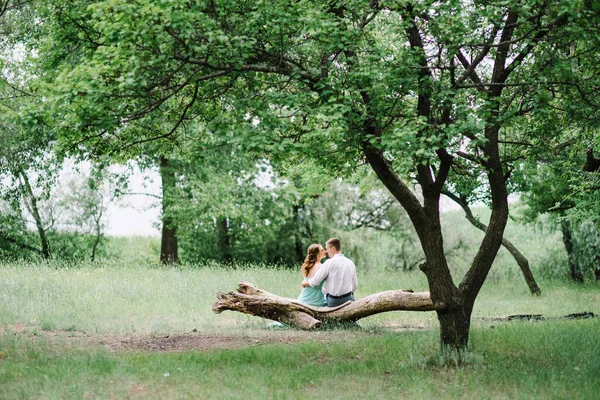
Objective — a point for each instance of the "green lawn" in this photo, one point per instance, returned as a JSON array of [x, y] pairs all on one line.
[[61, 313]]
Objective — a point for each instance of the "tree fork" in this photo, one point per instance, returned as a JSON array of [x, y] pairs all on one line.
[[512, 249]]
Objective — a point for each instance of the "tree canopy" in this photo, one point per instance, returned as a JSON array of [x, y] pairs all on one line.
[[447, 94]]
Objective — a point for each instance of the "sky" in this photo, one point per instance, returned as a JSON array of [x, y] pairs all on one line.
[[137, 214], [134, 214]]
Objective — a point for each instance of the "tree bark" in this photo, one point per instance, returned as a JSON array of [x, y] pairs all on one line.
[[517, 255], [597, 268], [592, 164], [574, 269], [168, 243], [298, 247], [249, 299], [97, 238], [32, 206]]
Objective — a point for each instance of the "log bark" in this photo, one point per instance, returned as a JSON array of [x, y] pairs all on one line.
[[249, 299]]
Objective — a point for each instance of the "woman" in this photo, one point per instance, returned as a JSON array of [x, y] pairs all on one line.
[[312, 263]]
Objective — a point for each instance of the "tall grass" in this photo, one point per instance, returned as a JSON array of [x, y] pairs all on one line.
[[142, 299], [114, 298], [550, 359]]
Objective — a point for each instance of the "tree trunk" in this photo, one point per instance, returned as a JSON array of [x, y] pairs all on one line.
[[298, 247], [455, 325], [517, 255], [446, 297], [249, 299], [32, 206], [96, 240], [574, 269], [168, 243], [224, 239], [448, 300]]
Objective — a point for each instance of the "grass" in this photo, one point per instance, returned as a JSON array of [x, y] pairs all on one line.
[[52, 301], [550, 360], [139, 299], [54, 317], [115, 299]]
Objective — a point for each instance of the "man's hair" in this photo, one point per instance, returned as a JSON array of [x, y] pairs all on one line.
[[335, 243]]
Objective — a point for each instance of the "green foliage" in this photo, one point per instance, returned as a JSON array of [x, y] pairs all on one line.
[[15, 241], [68, 246], [71, 216], [134, 250], [73, 246], [301, 80]]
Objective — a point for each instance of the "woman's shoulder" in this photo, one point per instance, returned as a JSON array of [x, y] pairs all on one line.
[[314, 270]]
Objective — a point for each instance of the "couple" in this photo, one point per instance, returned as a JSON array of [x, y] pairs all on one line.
[[338, 273]]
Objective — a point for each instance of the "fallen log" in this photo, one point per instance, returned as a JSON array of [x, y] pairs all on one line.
[[540, 317], [249, 299]]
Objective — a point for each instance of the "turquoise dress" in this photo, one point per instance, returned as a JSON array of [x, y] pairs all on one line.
[[313, 296]]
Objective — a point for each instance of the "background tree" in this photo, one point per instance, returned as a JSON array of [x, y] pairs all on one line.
[[85, 202], [560, 187]]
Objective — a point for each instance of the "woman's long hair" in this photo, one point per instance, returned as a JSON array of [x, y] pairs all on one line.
[[312, 256]]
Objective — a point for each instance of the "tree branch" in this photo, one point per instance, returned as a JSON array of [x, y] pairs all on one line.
[[502, 52], [140, 194], [528, 48], [18, 243], [517, 255]]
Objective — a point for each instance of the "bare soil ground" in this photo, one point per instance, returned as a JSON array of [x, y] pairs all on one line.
[[176, 341], [197, 341]]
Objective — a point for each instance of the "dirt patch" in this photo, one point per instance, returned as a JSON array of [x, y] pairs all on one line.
[[17, 328], [398, 327], [196, 341], [171, 342]]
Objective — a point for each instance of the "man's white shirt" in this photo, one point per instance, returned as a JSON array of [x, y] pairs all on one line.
[[339, 274]]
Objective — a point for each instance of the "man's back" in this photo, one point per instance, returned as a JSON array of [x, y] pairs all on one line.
[[339, 273]]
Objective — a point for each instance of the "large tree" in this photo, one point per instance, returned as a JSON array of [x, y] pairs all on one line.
[[416, 89]]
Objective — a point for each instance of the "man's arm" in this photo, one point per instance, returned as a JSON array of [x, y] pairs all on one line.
[[320, 275], [354, 279]]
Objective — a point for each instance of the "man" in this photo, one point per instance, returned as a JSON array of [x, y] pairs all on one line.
[[339, 274]]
